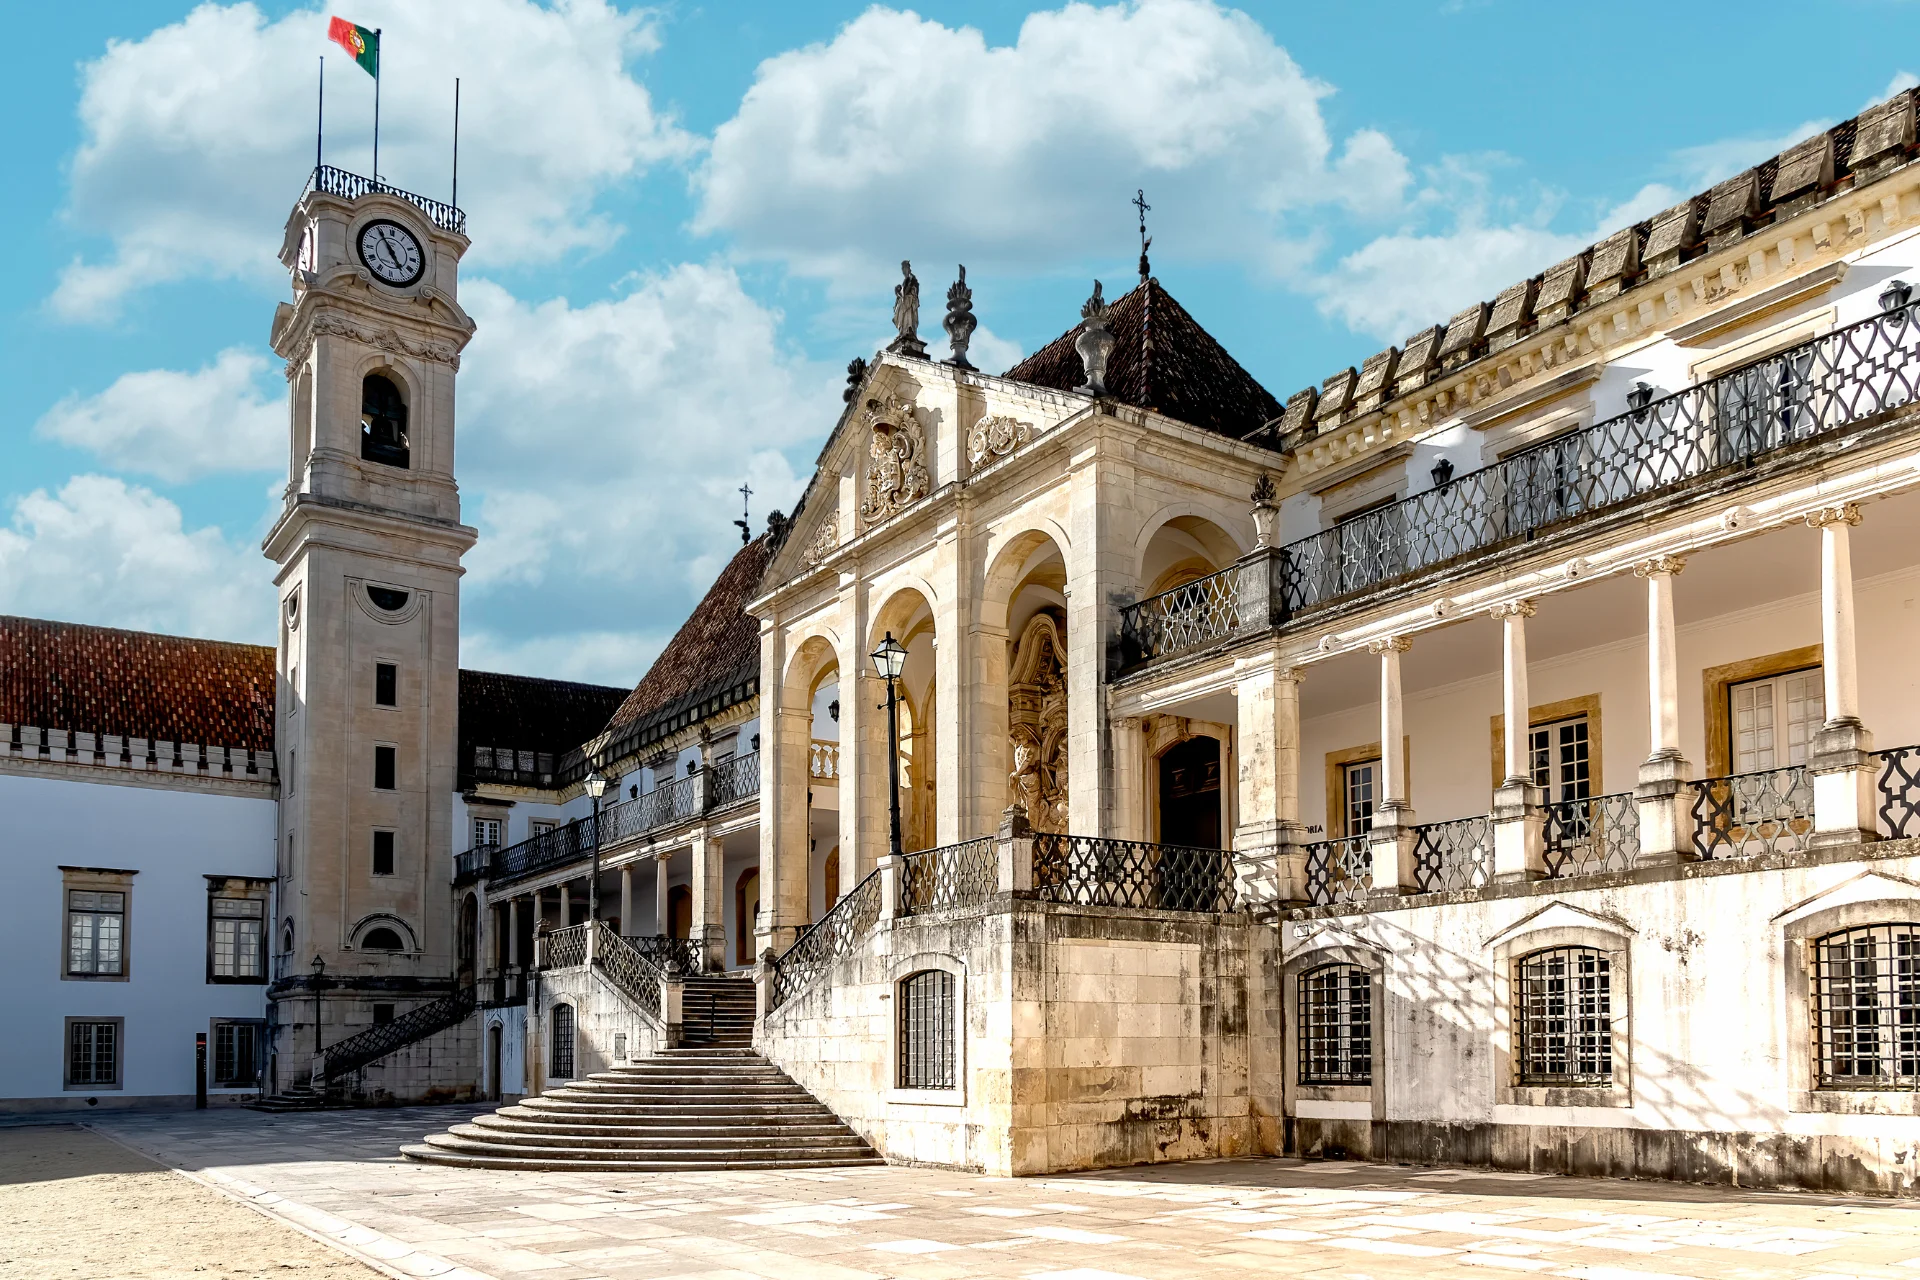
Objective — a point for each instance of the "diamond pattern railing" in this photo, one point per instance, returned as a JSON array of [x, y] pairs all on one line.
[[1746, 815], [830, 937], [1451, 856], [1591, 836], [377, 1042], [665, 953], [1094, 871], [628, 969], [954, 875], [1728, 422], [566, 948]]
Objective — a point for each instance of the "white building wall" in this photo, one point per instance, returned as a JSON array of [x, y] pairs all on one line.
[[173, 839]]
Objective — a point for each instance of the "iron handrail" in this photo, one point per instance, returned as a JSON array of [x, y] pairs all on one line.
[[351, 186], [377, 1042], [827, 939], [953, 875]]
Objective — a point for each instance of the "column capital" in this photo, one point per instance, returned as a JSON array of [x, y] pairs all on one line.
[[1658, 566], [1390, 644], [1847, 513], [1513, 609]]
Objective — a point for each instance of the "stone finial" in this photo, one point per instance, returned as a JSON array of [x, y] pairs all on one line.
[[1264, 490], [1264, 510], [1463, 332], [960, 322], [906, 314], [1804, 165], [1095, 342], [856, 374], [1013, 822], [777, 525]]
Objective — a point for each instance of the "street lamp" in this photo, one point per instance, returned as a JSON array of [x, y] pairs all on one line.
[[319, 979], [596, 787], [888, 660]]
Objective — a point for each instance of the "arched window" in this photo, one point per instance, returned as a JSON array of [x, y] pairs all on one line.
[[926, 1031], [286, 937], [383, 423], [1336, 1025], [382, 939], [1563, 1018], [560, 1057], [1866, 993]]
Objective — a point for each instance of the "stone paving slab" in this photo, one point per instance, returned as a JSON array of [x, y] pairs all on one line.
[[339, 1174]]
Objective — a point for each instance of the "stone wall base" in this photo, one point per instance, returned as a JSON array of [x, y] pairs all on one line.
[[443, 1067], [1777, 1161], [67, 1104]]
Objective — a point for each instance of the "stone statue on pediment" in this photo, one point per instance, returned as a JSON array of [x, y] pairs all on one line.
[[906, 314]]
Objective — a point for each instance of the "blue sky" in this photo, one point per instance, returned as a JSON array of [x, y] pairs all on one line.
[[686, 221]]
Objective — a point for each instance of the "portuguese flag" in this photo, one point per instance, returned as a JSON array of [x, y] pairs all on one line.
[[363, 44]]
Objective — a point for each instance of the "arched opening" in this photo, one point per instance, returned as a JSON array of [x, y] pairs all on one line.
[[495, 1037], [830, 880], [908, 618], [381, 938], [286, 937], [560, 1053], [746, 911], [469, 934], [1190, 793], [383, 423], [1182, 550], [680, 912], [1021, 701]]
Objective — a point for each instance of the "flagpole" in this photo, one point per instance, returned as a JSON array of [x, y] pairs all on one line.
[[320, 119], [456, 142], [377, 60]]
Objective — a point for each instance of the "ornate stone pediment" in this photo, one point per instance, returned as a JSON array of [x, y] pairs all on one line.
[[896, 459], [825, 541], [1037, 722], [996, 437]]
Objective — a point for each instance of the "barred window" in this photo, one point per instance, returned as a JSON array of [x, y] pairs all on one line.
[[1336, 1025], [926, 1030], [93, 1053], [1564, 1017], [560, 1057], [237, 1053], [1867, 1007], [96, 932], [236, 939]]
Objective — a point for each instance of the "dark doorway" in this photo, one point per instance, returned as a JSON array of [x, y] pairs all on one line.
[[680, 912], [493, 1062], [469, 936], [1190, 794]]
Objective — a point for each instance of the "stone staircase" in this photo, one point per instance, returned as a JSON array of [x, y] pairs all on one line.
[[717, 1013], [721, 1107], [299, 1096]]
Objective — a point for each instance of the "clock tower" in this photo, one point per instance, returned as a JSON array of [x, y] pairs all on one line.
[[368, 546]]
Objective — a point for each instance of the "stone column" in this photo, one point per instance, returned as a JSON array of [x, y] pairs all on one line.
[[1267, 695], [662, 914], [951, 761], [1519, 822], [1841, 761], [709, 902], [786, 729], [1101, 524], [989, 755], [626, 900], [566, 906], [513, 933], [1392, 838], [1129, 779], [1666, 830]]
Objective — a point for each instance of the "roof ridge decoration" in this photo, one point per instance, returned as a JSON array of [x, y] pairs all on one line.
[[1852, 154], [1095, 343], [896, 452]]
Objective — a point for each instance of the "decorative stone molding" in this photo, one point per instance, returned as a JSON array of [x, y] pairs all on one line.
[[826, 540], [1847, 513], [896, 473], [1669, 565], [1037, 722], [996, 437], [1390, 644], [327, 325], [1513, 609]]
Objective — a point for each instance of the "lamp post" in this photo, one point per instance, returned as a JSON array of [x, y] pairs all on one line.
[[319, 979], [596, 785], [888, 660]]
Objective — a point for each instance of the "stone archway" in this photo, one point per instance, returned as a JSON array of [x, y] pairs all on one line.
[[1037, 720]]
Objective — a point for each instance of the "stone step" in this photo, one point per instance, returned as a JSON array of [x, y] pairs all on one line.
[[627, 1163], [686, 1126], [679, 1140], [614, 1113], [592, 1149]]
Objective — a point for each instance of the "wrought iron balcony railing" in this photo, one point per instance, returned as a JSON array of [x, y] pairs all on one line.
[[1591, 836], [351, 186], [1717, 427], [1748, 814], [728, 782], [666, 953], [377, 1042], [1094, 871], [954, 875], [1454, 855], [1898, 785], [826, 940]]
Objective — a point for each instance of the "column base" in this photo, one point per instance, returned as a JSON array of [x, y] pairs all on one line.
[[1666, 831], [1519, 833]]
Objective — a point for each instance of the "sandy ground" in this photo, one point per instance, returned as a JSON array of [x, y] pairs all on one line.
[[78, 1206]]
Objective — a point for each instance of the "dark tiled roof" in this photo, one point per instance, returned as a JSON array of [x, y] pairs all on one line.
[[529, 714], [717, 647], [1162, 360], [63, 675]]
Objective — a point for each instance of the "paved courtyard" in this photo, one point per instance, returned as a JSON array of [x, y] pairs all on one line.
[[336, 1175]]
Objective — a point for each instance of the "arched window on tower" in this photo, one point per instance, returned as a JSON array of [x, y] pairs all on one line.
[[383, 423]]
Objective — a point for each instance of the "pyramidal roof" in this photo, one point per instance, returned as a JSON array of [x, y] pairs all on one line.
[[1164, 361]]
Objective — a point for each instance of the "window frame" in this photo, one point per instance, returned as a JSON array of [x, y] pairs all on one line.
[[557, 1043], [1577, 1039], [67, 1083], [498, 825], [1714, 684], [220, 894], [389, 672], [1305, 1025], [373, 852], [924, 1053], [1781, 726], [387, 753], [1885, 1018], [258, 1027], [95, 880], [1555, 927], [904, 970]]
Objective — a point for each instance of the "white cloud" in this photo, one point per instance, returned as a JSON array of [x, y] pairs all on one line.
[[905, 138], [601, 450], [106, 552], [1902, 81], [179, 426], [1701, 166], [196, 138], [596, 657]]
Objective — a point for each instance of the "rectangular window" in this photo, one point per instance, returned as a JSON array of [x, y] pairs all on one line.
[[382, 1014], [1773, 721], [236, 939], [1336, 1025], [238, 1049], [1358, 787], [96, 933], [386, 685], [486, 832], [1867, 1007], [540, 826], [1564, 1017], [926, 1045], [1560, 757], [383, 853], [384, 767], [93, 1053]]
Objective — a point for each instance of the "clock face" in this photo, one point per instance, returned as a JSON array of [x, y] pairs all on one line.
[[390, 251]]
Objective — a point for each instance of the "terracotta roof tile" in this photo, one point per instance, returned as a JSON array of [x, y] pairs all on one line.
[[63, 675], [1162, 360], [526, 713]]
